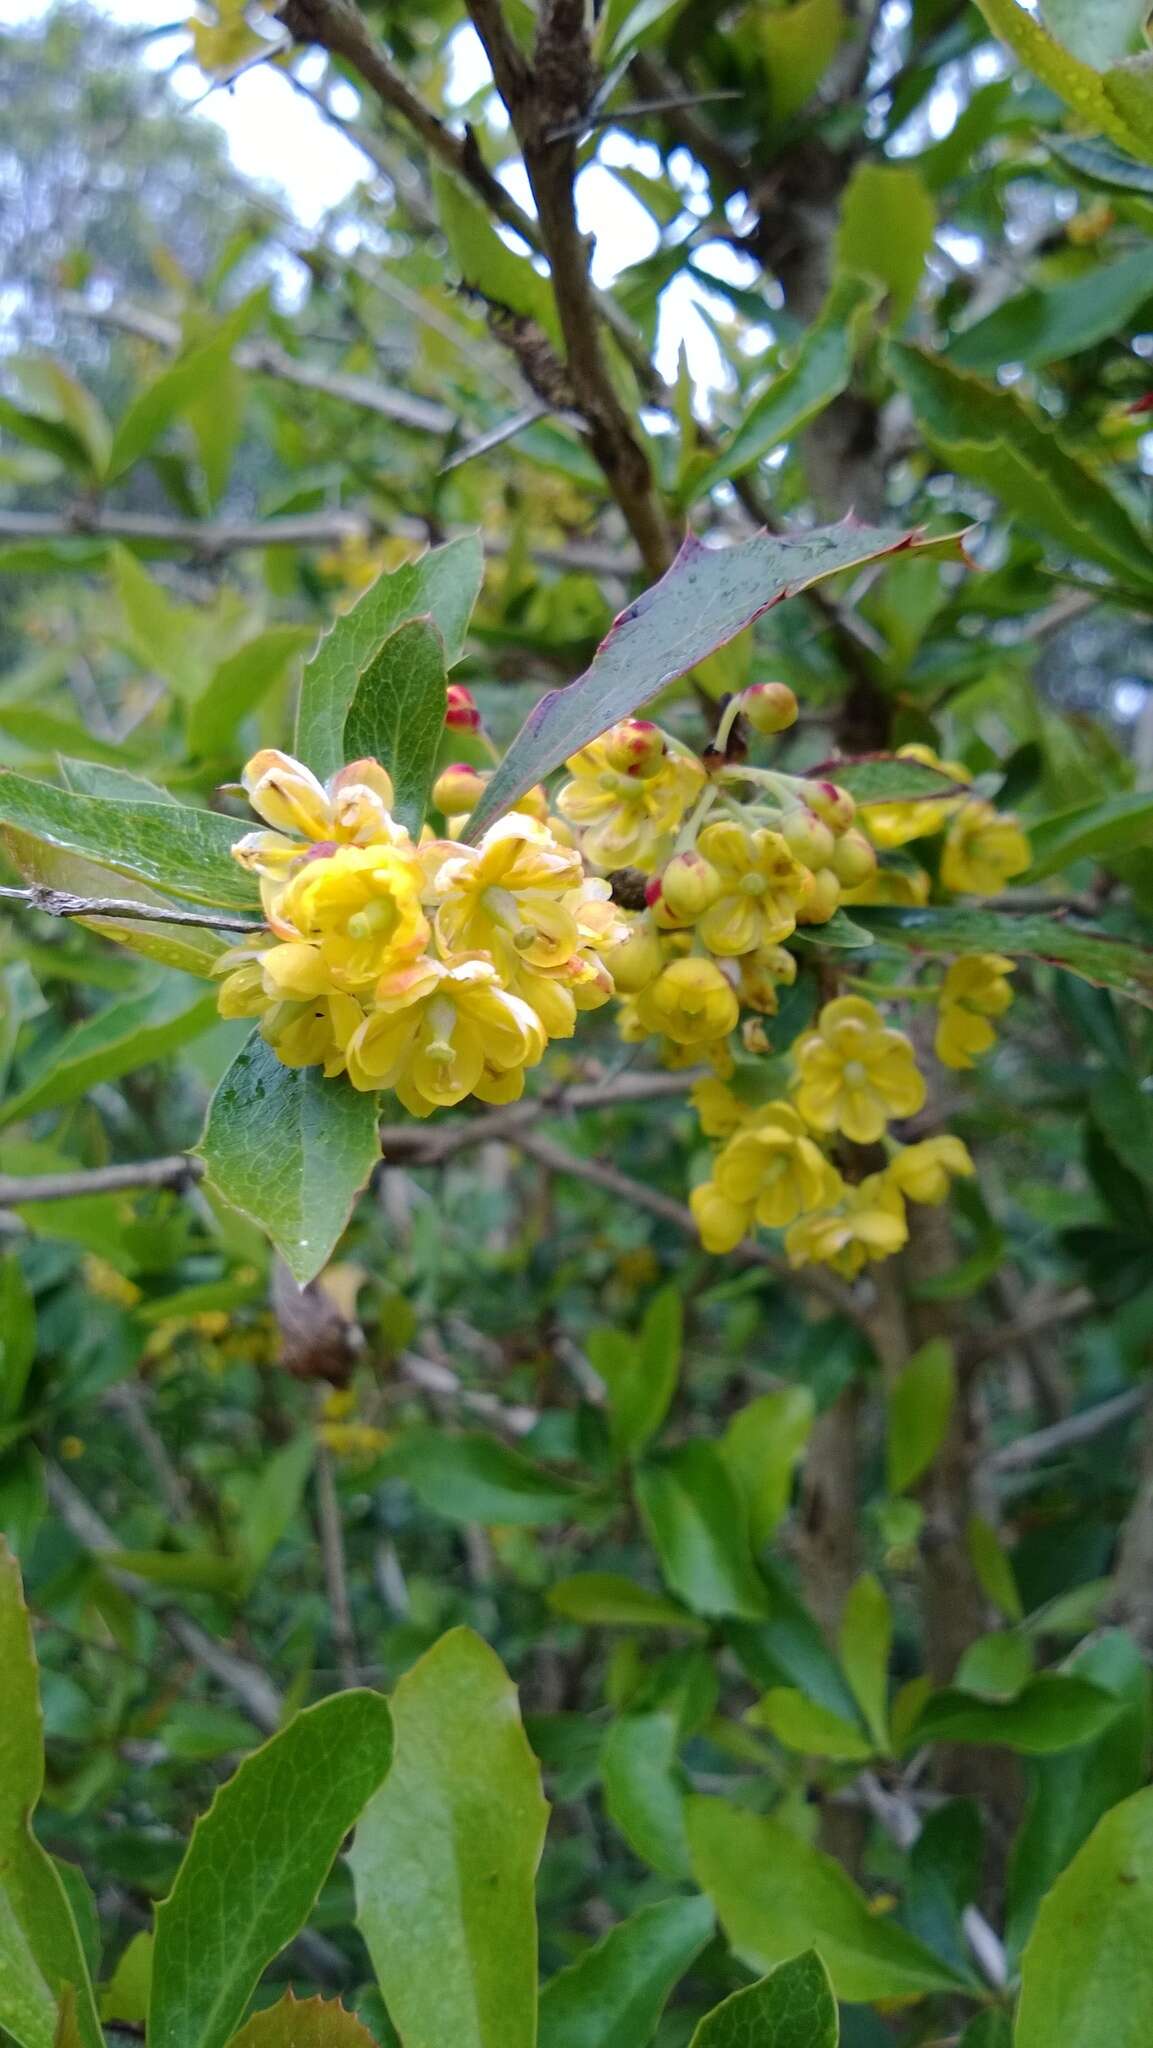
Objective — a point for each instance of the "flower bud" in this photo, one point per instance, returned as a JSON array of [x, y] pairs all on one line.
[[821, 899], [457, 790], [854, 860], [638, 960], [461, 713], [833, 804], [769, 707], [635, 746], [807, 838], [690, 884]]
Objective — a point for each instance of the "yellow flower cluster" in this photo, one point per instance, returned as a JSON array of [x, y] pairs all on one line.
[[974, 990], [434, 969]]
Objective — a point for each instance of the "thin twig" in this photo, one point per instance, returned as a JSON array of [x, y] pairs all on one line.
[[1072, 1429], [1035, 1318], [127, 1399], [331, 1531], [61, 903], [671, 103], [181, 1170]]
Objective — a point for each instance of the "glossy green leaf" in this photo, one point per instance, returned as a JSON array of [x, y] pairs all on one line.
[[920, 1403], [239, 683], [1030, 935], [820, 369], [40, 1949], [304, 2023], [614, 1994], [192, 949], [762, 1446], [1100, 33], [445, 1857], [992, 437], [885, 779], [644, 1791], [1073, 81], [789, 1648], [17, 1336], [776, 1895], [696, 1521], [397, 714], [291, 1151], [486, 264], [181, 850], [839, 934], [865, 1642], [1090, 831], [256, 1862], [640, 1372], [996, 1667], [1048, 323], [1087, 1972], [1052, 1712], [793, 2007], [886, 232], [117, 1040], [442, 584], [604, 1600], [191, 377], [811, 1729], [703, 601], [475, 1478]]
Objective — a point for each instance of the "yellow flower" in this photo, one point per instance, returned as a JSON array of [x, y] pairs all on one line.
[[690, 1001], [974, 989], [102, 1278], [896, 824], [719, 1111], [721, 1223], [629, 794], [774, 1165], [304, 1017], [761, 887], [983, 851], [925, 1172], [507, 896], [891, 885], [762, 973], [853, 1073], [353, 808], [360, 906], [869, 1223], [638, 957], [437, 1034]]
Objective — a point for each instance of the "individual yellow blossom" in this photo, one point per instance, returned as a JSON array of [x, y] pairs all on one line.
[[629, 794], [719, 1111], [691, 1002], [360, 906], [304, 1017], [509, 896], [638, 957], [721, 1223], [353, 808], [895, 824], [869, 1223], [761, 974], [72, 1447], [905, 886], [103, 1279], [774, 1165], [983, 850], [437, 1034], [974, 990], [925, 1172], [761, 887], [854, 1073]]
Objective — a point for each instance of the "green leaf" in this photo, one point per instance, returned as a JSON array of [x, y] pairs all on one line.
[[761, 1447], [1098, 164], [53, 386], [442, 584], [1048, 323], [992, 437], [269, 1503], [793, 2007], [819, 371], [486, 263], [886, 231], [1087, 1973], [475, 1478], [1068, 1793], [1095, 956], [614, 1994], [776, 1895], [920, 1403], [446, 1856], [291, 1151], [812, 1730], [397, 715], [41, 1955], [304, 2023], [644, 1791], [798, 43], [602, 1600], [866, 1639], [126, 1994], [1123, 1113], [640, 1373], [17, 1336], [1052, 1712], [839, 934], [194, 1571], [190, 378], [790, 1649], [167, 638], [117, 1040], [190, 948], [98, 779], [696, 1522], [45, 732], [993, 1567], [1100, 33], [704, 600], [238, 684], [255, 1864], [182, 850], [996, 1667], [1074, 82], [1129, 91], [1090, 831], [885, 779]]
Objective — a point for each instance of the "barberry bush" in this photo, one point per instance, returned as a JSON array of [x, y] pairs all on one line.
[[576, 1171]]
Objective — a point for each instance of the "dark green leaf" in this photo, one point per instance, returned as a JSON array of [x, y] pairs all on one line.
[[1046, 324], [643, 1791], [17, 1336], [920, 1404], [117, 1040], [474, 1478], [761, 1447], [614, 1994], [1095, 956], [640, 1372], [397, 714], [182, 850], [602, 1600], [1090, 831], [1052, 1712], [793, 2007], [885, 779], [696, 1520]]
